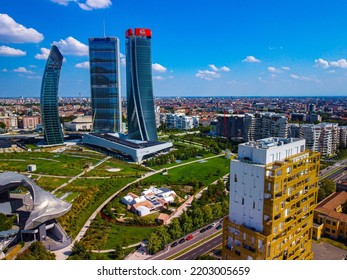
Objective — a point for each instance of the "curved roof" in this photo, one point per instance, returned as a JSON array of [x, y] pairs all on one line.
[[45, 205]]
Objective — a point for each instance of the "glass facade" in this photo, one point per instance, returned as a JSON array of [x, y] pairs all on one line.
[[49, 98], [140, 101], [105, 84]]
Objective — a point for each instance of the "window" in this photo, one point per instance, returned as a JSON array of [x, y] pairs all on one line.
[[235, 178], [237, 253], [243, 201], [328, 222], [333, 231], [253, 204], [334, 223], [327, 229]]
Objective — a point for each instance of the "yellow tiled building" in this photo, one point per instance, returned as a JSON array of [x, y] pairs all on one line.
[[273, 193], [329, 221]]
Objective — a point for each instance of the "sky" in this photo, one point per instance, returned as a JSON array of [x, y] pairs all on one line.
[[199, 48]]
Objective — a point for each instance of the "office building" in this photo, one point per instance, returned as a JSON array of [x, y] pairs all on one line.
[[273, 193], [105, 84], [140, 101], [49, 99]]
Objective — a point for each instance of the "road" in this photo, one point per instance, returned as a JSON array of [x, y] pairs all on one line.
[[202, 249]]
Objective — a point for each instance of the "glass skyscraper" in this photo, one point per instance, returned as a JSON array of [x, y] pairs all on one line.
[[105, 84], [49, 98], [140, 101]]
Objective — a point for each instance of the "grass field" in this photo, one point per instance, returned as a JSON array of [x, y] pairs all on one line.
[[50, 183], [206, 171], [46, 163]]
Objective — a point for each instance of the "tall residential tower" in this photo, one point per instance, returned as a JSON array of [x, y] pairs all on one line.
[[140, 101], [273, 192], [105, 84], [49, 98]]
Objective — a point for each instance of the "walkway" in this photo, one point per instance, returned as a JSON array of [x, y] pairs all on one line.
[[65, 252]]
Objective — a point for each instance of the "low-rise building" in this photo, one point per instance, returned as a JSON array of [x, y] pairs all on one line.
[[329, 220]]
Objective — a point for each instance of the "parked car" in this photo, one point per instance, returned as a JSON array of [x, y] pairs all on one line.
[[174, 244], [189, 237], [181, 241], [202, 230], [219, 227], [209, 227]]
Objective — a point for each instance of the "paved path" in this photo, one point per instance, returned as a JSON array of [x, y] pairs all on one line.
[[81, 174], [65, 252]]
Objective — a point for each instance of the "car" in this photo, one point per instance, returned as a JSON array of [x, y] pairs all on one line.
[[213, 224], [189, 237], [202, 230], [181, 241], [209, 227], [221, 221], [219, 227], [174, 244]]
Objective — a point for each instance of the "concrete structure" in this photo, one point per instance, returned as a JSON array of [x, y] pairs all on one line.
[[329, 221], [105, 84], [181, 121], [31, 167], [10, 120], [273, 192], [140, 100], [84, 123], [323, 138], [343, 136], [137, 150], [49, 98], [36, 212]]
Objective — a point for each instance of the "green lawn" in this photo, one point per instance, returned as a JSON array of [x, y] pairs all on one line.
[[132, 234], [50, 183], [46, 163], [206, 171]]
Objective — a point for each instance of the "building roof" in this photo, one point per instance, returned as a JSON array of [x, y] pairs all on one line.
[[328, 206], [83, 119]]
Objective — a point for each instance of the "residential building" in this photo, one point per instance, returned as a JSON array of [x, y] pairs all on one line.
[[273, 192], [105, 84], [323, 138], [29, 122], [343, 136], [329, 220], [49, 98], [140, 101]]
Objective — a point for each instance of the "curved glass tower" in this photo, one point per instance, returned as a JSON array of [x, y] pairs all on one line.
[[140, 101], [49, 98], [105, 84]]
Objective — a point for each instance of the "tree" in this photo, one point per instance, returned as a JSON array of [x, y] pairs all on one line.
[[5, 222], [154, 243], [186, 223], [208, 214], [36, 251], [2, 125], [326, 188], [175, 229], [80, 252]]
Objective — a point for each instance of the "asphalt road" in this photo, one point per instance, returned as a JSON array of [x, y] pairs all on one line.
[[202, 249], [197, 236]]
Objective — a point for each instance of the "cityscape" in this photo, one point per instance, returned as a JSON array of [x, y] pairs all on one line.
[[119, 157]]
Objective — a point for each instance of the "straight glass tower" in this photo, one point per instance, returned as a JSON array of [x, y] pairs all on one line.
[[49, 98], [140, 101], [105, 84]]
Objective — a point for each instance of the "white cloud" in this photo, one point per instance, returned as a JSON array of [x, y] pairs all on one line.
[[4, 70], [43, 55], [342, 63], [84, 65], [71, 46], [62, 2], [216, 69], [251, 59], [22, 70], [158, 78], [321, 63], [285, 68], [207, 75], [7, 51], [13, 32], [301, 78], [274, 70], [159, 68], [86, 5]]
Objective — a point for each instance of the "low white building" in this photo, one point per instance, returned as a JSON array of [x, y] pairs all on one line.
[[83, 123]]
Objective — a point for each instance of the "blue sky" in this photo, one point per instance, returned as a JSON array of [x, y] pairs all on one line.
[[199, 48]]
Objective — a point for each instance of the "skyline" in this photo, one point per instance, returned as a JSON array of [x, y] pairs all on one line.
[[198, 48]]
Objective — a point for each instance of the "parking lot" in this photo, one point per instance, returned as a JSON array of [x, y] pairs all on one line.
[[326, 251]]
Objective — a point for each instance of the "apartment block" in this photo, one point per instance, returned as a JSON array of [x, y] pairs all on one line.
[[273, 193]]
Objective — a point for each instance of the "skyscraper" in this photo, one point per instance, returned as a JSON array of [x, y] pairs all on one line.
[[140, 101], [49, 98], [105, 84], [273, 192]]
